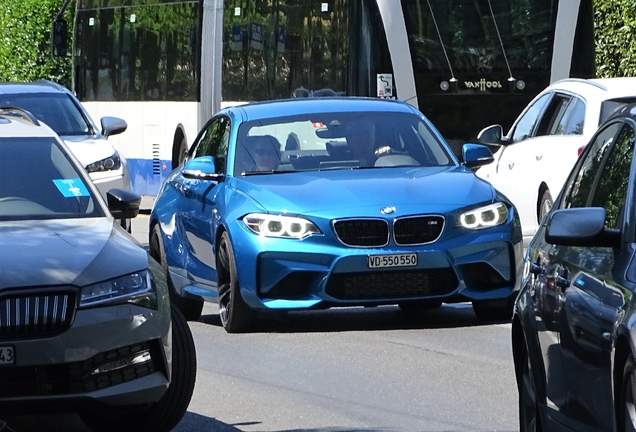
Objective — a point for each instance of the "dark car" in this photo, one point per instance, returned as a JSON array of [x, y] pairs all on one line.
[[85, 317], [574, 323]]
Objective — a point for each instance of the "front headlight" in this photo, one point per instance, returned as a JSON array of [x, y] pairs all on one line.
[[484, 217], [280, 226], [133, 288], [112, 163]]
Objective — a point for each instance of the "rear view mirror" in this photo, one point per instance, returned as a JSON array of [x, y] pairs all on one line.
[[476, 155], [59, 38], [113, 126], [491, 135], [122, 203]]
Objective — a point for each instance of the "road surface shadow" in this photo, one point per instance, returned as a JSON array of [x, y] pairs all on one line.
[[362, 319]]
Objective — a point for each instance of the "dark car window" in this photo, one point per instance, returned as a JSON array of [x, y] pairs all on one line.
[[613, 182], [57, 110], [555, 114], [52, 189], [214, 142], [578, 192], [525, 126]]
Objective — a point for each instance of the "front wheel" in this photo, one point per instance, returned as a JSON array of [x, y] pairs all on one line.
[[163, 415], [235, 314], [529, 420], [626, 409]]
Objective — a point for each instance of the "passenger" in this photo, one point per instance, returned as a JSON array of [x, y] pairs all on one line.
[[362, 142]]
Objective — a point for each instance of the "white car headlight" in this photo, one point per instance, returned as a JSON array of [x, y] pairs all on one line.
[[484, 217], [280, 226], [132, 288]]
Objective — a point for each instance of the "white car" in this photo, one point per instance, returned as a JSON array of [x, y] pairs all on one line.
[[537, 155]]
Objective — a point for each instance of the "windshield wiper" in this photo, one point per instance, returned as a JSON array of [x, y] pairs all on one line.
[[253, 173]]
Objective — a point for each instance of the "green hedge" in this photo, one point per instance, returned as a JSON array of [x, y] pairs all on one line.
[[615, 32], [25, 50]]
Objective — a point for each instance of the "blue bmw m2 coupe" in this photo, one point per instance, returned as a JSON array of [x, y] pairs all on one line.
[[315, 203]]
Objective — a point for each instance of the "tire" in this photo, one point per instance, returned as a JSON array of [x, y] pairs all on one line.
[[235, 314], [163, 415], [529, 418], [190, 308], [178, 155], [626, 409], [544, 205], [494, 310]]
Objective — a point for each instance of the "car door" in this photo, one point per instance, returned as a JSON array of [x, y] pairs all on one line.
[[589, 296], [512, 163], [198, 208]]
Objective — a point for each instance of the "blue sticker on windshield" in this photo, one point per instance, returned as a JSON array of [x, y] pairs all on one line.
[[71, 187]]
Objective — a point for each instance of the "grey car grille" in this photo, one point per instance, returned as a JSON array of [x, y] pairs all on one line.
[[410, 230], [36, 315]]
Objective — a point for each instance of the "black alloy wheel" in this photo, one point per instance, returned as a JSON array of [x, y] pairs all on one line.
[[626, 409], [235, 314], [190, 308], [529, 420]]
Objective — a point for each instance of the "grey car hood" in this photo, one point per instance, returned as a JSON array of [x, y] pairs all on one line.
[[75, 252]]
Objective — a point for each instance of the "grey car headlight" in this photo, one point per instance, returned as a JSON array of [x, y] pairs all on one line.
[[133, 288], [280, 226], [111, 163], [484, 217]]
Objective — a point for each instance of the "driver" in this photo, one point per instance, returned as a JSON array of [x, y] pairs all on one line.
[[264, 151]]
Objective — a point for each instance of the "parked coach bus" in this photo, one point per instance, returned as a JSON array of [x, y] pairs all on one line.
[[166, 66]]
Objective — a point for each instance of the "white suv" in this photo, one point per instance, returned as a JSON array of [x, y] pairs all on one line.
[[538, 153]]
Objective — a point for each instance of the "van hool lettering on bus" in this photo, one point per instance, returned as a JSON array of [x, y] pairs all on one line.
[[483, 84]]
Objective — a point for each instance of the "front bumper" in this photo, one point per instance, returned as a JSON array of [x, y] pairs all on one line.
[[91, 361]]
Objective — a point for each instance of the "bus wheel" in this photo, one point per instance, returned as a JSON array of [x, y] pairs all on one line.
[[180, 153], [163, 415], [190, 308]]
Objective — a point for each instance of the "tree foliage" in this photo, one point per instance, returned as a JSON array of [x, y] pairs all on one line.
[[25, 51], [615, 32]]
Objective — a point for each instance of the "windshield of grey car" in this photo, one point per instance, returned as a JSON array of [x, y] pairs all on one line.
[[38, 180], [57, 110], [338, 141]]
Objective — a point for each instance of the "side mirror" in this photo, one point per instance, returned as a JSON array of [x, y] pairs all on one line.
[[202, 168], [476, 155], [581, 227], [122, 203], [492, 135], [113, 126], [59, 38]]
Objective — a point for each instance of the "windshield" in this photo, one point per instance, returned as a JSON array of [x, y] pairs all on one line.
[[58, 111], [39, 181], [338, 141]]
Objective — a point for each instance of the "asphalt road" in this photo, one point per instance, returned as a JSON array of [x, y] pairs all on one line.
[[344, 370]]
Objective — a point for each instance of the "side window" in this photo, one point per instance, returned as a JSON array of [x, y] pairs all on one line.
[[214, 142], [579, 188], [614, 179], [554, 115], [525, 126], [576, 120]]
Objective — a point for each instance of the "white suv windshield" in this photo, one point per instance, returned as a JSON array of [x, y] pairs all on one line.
[[39, 181], [58, 111]]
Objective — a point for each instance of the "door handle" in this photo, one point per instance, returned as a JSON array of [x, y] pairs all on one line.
[[562, 282], [539, 157], [536, 268], [511, 165]]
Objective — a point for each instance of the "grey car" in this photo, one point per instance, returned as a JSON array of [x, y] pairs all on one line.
[[85, 317]]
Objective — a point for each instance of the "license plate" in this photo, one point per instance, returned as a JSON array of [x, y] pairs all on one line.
[[7, 355], [393, 260]]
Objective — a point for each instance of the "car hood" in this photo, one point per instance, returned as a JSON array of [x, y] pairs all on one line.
[[75, 252], [345, 192], [89, 148]]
